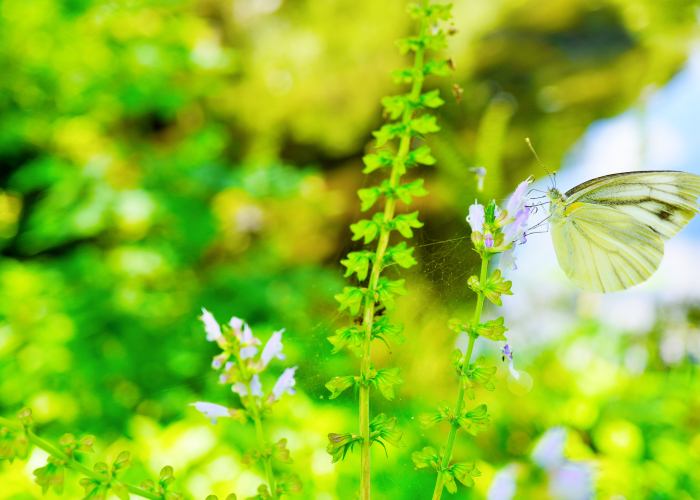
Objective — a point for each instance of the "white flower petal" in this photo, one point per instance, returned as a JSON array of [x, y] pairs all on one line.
[[211, 326], [211, 410]]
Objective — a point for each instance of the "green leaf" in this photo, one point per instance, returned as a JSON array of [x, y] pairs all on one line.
[[369, 197], [483, 374], [420, 155], [387, 289], [400, 255], [436, 67], [383, 330], [340, 444], [443, 12], [496, 286], [119, 490], [449, 481], [385, 379], [404, 75], [492, 330], [288, 485], [338, 384], [406, 192], [389, 131], [427, 457], [358, 262], [123, 461], [350, 336], [431, 99], [382, 159], [404, 222], [351, 299], [429, 419], [394, 105], [50, 475], [367, 229], [281, 452], [424, 124], [383, 428], [415, 11], [413, 43], [474, 421], [438, 41]]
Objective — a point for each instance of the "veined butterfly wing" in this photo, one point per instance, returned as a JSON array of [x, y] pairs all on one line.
[[603, 250], [663, 200], [608, 232]]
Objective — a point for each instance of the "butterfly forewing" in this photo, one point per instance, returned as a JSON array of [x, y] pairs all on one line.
[[665, 201]]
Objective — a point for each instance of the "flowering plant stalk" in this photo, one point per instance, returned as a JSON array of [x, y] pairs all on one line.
[[494, 232], [241, 364], [367, 302], [99, 483]]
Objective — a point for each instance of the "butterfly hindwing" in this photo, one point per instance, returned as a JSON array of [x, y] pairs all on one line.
[[665, 201], [602, 249]]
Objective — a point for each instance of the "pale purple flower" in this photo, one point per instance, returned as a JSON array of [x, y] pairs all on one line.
[[507, 260], [211, 410], [476, 217], [549, 450], [236, 324], [488, 240], [516, 229], [273, 348], [255, 387], [212, 328], [248, 343], [518, 199], [285, 383], [572, 481], [508, 353], [504, 484]]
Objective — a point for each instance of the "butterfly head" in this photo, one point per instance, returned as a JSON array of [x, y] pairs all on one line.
[[555, 195]]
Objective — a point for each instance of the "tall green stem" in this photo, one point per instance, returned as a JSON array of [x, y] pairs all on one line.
[[377, 265], [460, 394], [72, 462]]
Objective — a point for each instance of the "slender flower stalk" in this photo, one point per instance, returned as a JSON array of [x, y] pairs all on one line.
[[378, 294], [241, 368], [494, 231], [454, 427], [16, 436]]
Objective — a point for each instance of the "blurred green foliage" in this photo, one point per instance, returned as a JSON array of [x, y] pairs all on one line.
[[158, 156]]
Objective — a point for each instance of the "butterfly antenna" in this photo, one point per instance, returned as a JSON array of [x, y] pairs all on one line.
[[553, 179]]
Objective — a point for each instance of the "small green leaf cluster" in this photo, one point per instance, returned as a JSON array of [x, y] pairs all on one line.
[[473, 421], [162, 487], [99, 489], [464, 472], [287, 485], [408, 119], [100, 482], [478, 372]]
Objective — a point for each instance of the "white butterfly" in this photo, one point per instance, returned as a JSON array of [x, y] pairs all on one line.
[[609, 232]]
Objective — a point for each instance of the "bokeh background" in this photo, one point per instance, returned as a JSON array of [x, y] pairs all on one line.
[[157, 156]]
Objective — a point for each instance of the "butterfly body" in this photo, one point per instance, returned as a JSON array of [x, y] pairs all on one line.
[[609, 232]]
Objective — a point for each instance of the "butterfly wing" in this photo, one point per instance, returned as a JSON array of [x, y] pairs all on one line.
[[602, 249], [664, 201]]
